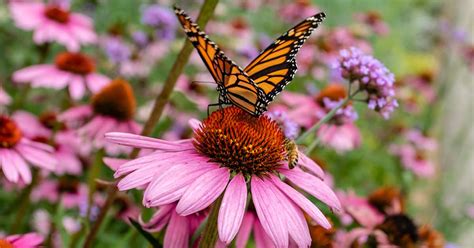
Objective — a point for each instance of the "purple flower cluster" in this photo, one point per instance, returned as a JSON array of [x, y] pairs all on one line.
[[117, 51], [290, 128], [160, 18], [373, 78]]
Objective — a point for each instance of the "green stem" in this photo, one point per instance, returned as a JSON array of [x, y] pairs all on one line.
[[312, 145], [24, 203], [94, 173], [160, 102], [325, 119], [210, 235]]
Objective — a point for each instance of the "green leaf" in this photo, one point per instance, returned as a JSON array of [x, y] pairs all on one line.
[[145, 234]]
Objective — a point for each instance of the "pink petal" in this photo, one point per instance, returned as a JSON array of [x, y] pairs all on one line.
[[294, 218], [75, 113], [22, 167], [245, 229], [37, 157], [140, 177], [170, 185], [95, 82], [77, 89], [302, 202], [314, 186], [310, 165], [159, 219], [262, 240], [231, 212], [29, 73], [139, 141], [203, 191], [114, 163], [194, 123], [177, 233], [8, 165], [268, 210]]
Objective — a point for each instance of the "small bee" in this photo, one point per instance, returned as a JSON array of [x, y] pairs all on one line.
[[291, 153]]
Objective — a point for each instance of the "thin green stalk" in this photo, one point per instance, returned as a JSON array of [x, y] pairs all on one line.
[[210, 235], [161, 100], [312, 145], [325, 119], [94, 172], [24, 203]]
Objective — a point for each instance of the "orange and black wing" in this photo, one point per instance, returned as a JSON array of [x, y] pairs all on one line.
[[234, 84], [275, 67]]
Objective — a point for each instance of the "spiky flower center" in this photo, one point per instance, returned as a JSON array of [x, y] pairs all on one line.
[[10, 133], [77, 63], [68, 185], [400, 230], [57, 14], [383, 198], [5, 244], [115, 100], [50, 121], [241, 142]]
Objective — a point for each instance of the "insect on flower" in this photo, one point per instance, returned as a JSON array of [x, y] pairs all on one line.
[[252, 88]]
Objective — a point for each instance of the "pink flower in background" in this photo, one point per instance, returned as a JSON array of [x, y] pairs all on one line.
[[52, 22], [66, 144], [193, 173], [340, 133], [415, 153], [112, 110], [16, 151], [5, 99], [341, 138], [296, 10], [28, 240], [70, 191], [74, 70], [374, 21]]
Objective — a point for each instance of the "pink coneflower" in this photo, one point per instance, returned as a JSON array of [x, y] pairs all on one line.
[[28, 240], [65, 142], [75, 70], [251, 223], [111, 110], [16, 150], [52, 22], [374, 21], [67, 189], [230, 150], [415, 153]]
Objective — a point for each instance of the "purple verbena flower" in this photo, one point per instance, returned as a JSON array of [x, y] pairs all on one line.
[[373, 78], [116, 50], [140, 38], [290, 128], [160, 18]]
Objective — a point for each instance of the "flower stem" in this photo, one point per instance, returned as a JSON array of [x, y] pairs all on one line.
[[161, 100], [325, 119], [94, 172], [24, 203], [209, 235]]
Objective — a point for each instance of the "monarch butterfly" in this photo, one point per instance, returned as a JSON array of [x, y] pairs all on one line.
[[254, 87]]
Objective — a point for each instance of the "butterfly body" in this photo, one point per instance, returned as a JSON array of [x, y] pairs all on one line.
[[254, 87]]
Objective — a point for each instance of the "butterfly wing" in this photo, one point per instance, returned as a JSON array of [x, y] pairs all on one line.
[[275, 67], [234, 84]]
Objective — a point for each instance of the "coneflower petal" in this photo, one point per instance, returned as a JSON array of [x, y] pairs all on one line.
[[232, 209], [268, 208], [302, 202], [177, 233], [314, 186], [203, 191]]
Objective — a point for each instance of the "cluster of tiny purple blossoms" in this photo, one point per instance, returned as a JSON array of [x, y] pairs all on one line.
[[373, 77]]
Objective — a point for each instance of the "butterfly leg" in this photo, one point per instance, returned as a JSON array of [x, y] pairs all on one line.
[[212, 105]]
